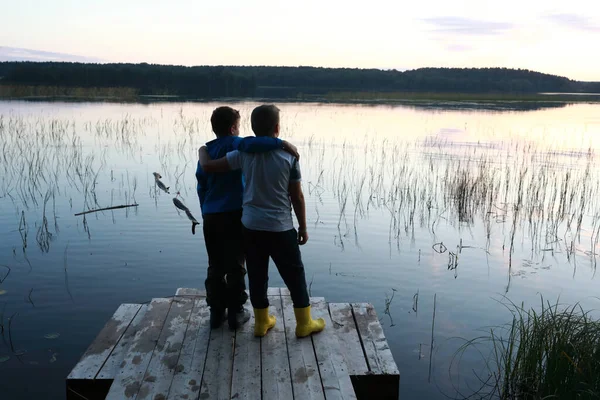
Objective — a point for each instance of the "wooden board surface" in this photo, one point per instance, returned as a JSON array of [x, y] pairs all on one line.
[[128, 382], [216, 381], [166, 350], [99, 351], [276, 378], [377, 350], [111, 367], [332, 365], [186, 382], [345, 329], [159, 374], [246, 362], [304, 370]]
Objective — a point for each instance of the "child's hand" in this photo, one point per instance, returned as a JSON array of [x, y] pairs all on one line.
[[302, 236], [290, 148]]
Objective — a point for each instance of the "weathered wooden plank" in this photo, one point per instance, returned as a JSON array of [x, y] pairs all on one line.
[[112, 365], [129, 380], [383, 372], [188, 375], [332, 366], [276, 378], [345, 329], [160, 371], [306, 381], [379, 355], [99, 351], [216, 381], [245, 382], [190, 292], [284, 291]]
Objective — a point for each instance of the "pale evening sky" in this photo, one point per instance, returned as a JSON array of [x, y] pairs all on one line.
[[558, 37]]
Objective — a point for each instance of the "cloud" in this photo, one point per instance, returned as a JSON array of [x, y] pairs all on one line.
[[17, 54], [574, 21], [465, 26], [455, 47]]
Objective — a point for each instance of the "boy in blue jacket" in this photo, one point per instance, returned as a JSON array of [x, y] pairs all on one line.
[[221, 197]]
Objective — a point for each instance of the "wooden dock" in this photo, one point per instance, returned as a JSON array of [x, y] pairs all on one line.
[[166, 350]]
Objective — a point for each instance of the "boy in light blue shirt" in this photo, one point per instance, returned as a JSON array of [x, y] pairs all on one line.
[[220, 197]]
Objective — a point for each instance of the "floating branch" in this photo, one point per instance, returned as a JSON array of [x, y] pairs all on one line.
[[107, 208]]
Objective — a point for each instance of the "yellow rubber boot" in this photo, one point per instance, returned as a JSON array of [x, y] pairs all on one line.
[[263, 321], [305, 325]]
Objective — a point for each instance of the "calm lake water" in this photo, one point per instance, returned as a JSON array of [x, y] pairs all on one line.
[[475, 205]]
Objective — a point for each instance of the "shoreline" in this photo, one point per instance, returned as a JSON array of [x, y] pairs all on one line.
[[366, 98]]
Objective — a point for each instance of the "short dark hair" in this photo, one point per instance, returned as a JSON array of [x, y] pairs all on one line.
[[264, 119], [222, 119]]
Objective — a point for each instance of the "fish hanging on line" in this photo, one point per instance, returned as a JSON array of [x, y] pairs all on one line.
[[160, 185], [183, 207]]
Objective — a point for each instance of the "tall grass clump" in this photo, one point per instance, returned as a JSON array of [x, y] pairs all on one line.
[[552, 353]]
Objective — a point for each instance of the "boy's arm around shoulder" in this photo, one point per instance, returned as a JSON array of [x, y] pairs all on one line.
[[263, 144], [223, 164]]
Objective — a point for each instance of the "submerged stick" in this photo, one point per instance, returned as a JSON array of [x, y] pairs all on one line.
[[29, 298], [67, 275], [432, 327], [12, 347], [7, 273], [107, 208], [2, 320]]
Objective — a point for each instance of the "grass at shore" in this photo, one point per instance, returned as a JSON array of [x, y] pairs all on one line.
[[32, 92], [553, 353]]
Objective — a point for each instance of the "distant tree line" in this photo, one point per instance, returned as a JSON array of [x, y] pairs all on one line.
[[224, 81], [455, 80], [147, 79]]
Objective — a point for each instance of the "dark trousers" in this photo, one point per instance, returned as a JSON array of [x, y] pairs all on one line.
[[225, 285], [283, 248]]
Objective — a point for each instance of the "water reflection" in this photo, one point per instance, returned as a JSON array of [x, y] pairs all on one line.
[[413, 208]]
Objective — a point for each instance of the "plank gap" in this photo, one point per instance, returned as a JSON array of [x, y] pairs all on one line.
[[210, 332], [193, 354], [362, 344], [312, 340], [143, 382], [287, 347], [189, 322], [233, 342], [261, 365], [117, 343]]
